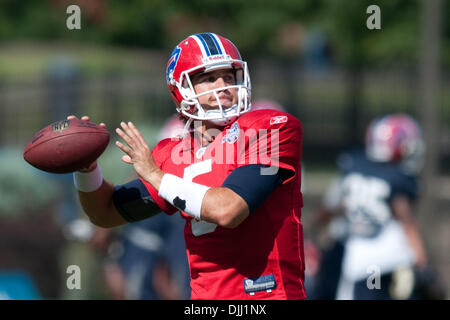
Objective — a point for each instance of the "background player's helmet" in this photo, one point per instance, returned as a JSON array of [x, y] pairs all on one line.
[[206, 52], [396, 138]]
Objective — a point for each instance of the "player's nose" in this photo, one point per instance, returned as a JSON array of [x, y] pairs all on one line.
[[220, 82]]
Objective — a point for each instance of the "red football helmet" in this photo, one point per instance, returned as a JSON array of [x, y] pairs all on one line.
[[206, 52], [396, 138]]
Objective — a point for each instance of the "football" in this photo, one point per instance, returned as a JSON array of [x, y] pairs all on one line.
[[66, 146]]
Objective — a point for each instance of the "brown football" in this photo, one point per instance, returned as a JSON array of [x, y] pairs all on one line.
[[66, 146]]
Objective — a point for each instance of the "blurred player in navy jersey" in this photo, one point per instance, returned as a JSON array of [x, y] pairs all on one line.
[[234, 175], [378, 245]]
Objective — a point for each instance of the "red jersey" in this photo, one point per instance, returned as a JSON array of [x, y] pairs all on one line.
[[263, 257]]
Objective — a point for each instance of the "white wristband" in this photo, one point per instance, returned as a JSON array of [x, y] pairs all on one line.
[[88, 181], [185, 195]]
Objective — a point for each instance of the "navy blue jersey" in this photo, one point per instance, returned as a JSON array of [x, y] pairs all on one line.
[[365, 191], [401, 183]]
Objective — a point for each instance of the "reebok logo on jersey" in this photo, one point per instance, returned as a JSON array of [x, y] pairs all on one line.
[[278, 119]]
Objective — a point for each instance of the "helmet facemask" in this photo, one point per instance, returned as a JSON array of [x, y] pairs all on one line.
[[190, 106]]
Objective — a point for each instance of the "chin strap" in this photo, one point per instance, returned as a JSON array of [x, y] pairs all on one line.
[[218, 121], [218, 113], [186, 127], [223, 122]]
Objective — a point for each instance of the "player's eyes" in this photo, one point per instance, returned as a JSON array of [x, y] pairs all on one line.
[[229, 78], [205, 79]]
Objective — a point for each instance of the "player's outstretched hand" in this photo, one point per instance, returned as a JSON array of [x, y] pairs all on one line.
[[93, 165], [85, 118], [137, 151]]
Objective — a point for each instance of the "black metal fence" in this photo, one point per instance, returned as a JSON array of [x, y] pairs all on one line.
[[333, 106]]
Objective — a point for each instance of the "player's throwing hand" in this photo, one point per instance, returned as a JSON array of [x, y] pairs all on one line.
[[137, 151], [93, 165]]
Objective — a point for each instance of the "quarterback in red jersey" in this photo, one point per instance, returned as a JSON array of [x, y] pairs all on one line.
[[234, 175]]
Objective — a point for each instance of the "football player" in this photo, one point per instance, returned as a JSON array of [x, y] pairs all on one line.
[[234, 176], [374, 194]]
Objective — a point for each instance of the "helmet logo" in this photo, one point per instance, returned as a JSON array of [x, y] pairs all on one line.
[[216, 58], [172, 64]]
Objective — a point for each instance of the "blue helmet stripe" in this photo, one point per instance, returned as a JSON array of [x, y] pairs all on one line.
[[215, 42], [204, 44], [209, 43]]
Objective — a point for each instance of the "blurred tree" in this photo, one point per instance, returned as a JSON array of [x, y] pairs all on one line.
[[396, 42], [254, 25], [357, 47]]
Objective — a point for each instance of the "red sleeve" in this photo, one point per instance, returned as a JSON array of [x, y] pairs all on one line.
[[274, 138], [160, 153]]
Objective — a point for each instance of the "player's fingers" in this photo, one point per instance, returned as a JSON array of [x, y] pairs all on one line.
[[125, 137], [90, 167], [127, 130], [136, 132], [102, 124], [85, 118], [124, 148], [127, 159], [71, 117]]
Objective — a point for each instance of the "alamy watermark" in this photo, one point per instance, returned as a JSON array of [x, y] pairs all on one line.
[[73, 22], [74, 280], [374, 278], [236, 146], [374, 20]]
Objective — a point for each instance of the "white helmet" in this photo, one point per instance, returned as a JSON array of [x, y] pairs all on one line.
[[396, 138]]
